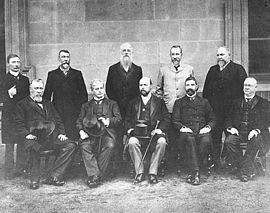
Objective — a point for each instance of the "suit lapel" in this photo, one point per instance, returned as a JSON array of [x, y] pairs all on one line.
[[138, 107], [153, 106], [105, 106], [254, 101]]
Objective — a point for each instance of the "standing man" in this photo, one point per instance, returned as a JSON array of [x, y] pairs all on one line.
[[223, 84], [96, 124], [151, 109], [122, 85], [66, 88], [171, 86], [40, 128], [14, 87], [194, 118], [248, 121], [123, 78]]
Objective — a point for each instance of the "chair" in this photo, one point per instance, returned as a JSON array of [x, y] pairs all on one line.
[[259, 162]]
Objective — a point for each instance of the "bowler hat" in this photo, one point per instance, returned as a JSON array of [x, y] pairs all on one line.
[[93, 126], [41, 129]]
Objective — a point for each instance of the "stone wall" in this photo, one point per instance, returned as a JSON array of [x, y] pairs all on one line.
[[94, 29]]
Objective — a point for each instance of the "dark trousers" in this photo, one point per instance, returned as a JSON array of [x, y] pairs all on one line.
[[217, 139], [235, 155], [197, 147], [96, 154], [65, 150]]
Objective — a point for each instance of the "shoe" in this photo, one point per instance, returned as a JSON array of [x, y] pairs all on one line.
[[189, 178], [139, 178], [54, 181], [34, 185], [93, 181], [244, 178], [196, 180], [153, 179]]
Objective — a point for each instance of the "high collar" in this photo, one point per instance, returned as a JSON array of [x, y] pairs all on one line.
[[16, 74]]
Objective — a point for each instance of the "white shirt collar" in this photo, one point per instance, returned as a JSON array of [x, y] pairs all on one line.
[[14, 73], [250, 97], [145, 99]]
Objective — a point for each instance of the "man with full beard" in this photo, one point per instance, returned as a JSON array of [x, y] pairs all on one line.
[[147, 107], [66, 88], [194, 118], [38, 123], [122, 85], [223, 84]]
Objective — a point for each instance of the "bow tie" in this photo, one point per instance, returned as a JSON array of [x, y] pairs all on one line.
[[99, 101], [248, 99], [176, 68], [38, 102]]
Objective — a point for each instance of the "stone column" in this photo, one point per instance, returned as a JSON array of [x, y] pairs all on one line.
[[236, 30], [16, 28]]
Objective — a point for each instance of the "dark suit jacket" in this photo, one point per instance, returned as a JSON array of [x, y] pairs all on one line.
[[258, 117], [9, 104], [68, 93], [110, 110], [222, 87], [122, 86], [193, 114], [158, 111], [28, 111]]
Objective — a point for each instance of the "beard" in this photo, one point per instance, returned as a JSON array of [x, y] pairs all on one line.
[[221, 63], [144, 93], [37, 98], [65, 65], [126, 60], [190, 92], [176, 61]]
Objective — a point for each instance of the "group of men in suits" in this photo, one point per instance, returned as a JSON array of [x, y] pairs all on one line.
[[96, 127]]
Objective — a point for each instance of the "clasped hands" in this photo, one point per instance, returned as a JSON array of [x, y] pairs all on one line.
[[203, 130], [251, 134]]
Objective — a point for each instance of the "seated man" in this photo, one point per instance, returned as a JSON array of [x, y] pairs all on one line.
[[248, 121], [39, 124], [96, 124], [153, 111], [194, 117]]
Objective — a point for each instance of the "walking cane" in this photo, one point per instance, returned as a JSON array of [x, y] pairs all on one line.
[[151, 138]]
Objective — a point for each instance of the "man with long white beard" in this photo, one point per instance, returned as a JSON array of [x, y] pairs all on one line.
[[194, 118], [38, 123], [223, 84], [122, 86], [122, 83]]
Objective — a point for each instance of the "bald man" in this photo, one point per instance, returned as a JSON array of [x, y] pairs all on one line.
[[248, 121], [150, 109], [223, 84]]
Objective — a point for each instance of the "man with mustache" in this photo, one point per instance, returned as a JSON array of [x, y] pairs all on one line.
[[34, 116], [14, 87], [66, 88], [151, 109], [171, 86], [194, 118], [122, 85], [223, 84], [248, 121]]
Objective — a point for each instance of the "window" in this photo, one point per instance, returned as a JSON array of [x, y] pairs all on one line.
[[259, 39]]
